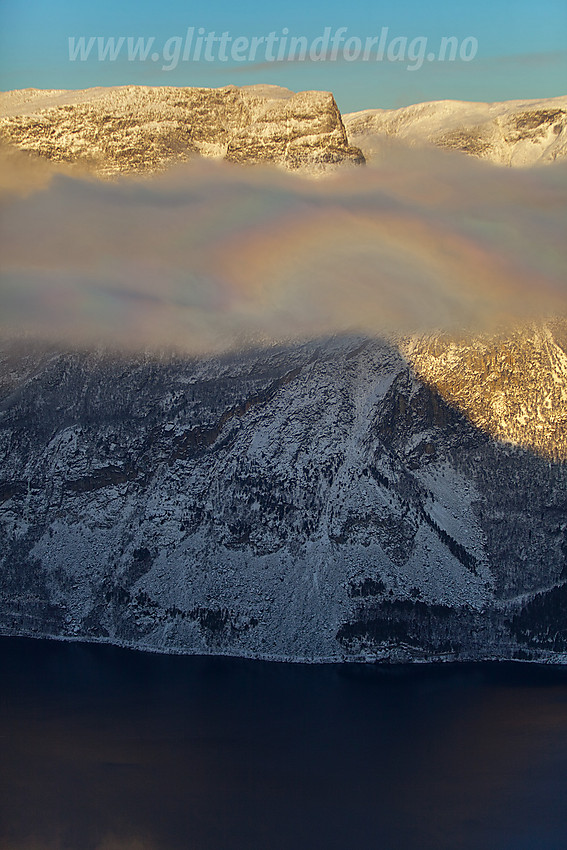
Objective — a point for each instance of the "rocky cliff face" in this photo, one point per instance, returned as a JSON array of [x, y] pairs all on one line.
[[514, 388], [317, 501], [513, 133], [142, 129], [139, 129]]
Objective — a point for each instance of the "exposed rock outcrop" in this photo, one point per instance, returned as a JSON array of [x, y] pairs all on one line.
[[139, 129], [142, 129], [514, 388]]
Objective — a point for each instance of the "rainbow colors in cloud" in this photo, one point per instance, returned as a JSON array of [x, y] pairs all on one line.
[[210, 256]]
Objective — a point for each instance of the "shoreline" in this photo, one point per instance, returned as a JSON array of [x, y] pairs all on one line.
[[386, 662]]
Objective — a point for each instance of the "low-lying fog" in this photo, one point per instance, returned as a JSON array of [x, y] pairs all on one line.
[[212, 255]]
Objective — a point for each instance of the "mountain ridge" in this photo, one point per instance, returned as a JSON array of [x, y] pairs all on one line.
[[517, 133], [144, 129]]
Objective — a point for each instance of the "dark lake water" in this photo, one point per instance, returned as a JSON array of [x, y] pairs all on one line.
[[118, 750]]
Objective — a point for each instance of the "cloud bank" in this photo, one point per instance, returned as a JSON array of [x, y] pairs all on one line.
[[210, 256]]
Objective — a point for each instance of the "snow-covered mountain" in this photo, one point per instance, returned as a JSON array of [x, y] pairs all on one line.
[[337, 499], [143, 129], [514, 133]]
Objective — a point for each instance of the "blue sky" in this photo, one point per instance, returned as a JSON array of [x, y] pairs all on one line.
[[521, 46]]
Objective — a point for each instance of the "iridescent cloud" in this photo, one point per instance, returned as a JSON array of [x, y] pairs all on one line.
[[210, 255]]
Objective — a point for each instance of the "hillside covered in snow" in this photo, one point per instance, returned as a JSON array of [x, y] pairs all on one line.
[[341, 499], [516, 133]]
